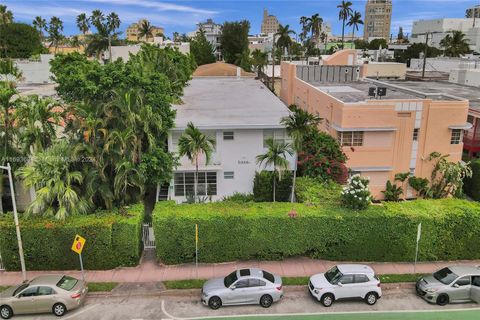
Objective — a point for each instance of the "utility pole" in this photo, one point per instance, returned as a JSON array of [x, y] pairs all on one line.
[[273, 64]]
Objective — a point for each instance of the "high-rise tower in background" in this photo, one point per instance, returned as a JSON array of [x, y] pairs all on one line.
[[378, 18], [269, 24]]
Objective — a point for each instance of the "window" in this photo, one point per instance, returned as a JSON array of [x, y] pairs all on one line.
[[415, 134], [464, 281], [278, 135], [242, 284], [244, 272], [228, 175], [361, 278], [45, 291], [30, 292], [268, 276], [470, 119], [256, 283], [456, 136], [347, 279], [350, 138], [67, 283], [476, 281], [184, 183], [228, 135]]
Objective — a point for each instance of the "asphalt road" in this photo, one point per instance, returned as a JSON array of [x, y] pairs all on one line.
[[185, 304]]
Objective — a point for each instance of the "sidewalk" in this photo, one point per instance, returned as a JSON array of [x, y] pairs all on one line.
[[149, 270]]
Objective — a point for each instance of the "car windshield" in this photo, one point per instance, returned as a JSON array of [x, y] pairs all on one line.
[[19, 289], [333, 275], [445, 276], [67, 283], [231, 278]]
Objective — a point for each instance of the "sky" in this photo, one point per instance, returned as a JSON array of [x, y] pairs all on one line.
[[182, 16]]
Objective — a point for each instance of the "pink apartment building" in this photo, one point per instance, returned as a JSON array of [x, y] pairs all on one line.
[[381, 136]]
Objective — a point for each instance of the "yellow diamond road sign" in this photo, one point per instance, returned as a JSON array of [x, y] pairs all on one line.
[[78, 244]]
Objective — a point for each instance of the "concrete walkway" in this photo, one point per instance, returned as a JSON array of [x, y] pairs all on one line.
[[149, 270]]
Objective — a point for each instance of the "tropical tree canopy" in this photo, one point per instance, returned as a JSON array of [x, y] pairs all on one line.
[[455, 45], [201, 49], [20, 40], [234, 39], [283, 39]]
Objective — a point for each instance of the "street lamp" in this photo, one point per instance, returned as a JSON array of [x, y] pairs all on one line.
[[15, 216]]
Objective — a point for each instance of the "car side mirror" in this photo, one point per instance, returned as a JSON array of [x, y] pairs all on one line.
[[340, 284], [456, 286], [233, 287]]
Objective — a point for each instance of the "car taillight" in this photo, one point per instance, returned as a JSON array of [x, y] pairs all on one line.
[[279, 288], [76, 295]]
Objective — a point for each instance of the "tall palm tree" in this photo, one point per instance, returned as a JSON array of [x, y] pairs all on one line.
[[55, 35], [83, 23], [6, 17], [284, 40], [145, 30], [354, 21], [97, 18], [305, 29], [455, 45], [344, 13], [314, 25], [75, 41], [275, 156], [40, 24], [259, 60], [299, 123], [113, 23], [192, 144]]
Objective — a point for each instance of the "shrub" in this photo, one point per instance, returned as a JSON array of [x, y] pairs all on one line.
[[356, 194], [263, 186], [239, 197], [113, 240], [472, 185], [314, 191], [242, 231], [392, 192]]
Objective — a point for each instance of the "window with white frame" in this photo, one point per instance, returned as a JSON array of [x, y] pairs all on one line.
[[350, 138], [229, 175], [228, 135], [456, 136], [278, 135], [415, 134], [175, 136], [184, 183]]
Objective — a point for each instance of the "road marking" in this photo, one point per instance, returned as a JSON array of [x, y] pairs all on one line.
[[172, 317], [79, 312]]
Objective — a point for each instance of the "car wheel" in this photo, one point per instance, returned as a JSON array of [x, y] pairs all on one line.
[[215, 303], [327, 299], [442, 299], [266, 301], [6, 312], [371, 298], [59, 309]]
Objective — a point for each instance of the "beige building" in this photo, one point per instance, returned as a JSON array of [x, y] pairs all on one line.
[[378, 18], [134, 29], [270, 23]]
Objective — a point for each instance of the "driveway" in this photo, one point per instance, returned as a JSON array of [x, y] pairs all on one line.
[[178, 304]]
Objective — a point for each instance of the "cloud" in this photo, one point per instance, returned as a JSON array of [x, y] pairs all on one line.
[[159, 6]]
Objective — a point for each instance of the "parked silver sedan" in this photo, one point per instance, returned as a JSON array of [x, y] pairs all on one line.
[[451, 284], [51, 293], [244, 286]]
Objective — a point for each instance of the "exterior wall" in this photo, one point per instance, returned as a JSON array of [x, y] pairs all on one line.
[[465, 77], [388, 147], [444, 64], [341, 58], [385, 70], [236, 155], [36, 71], [133, 30]]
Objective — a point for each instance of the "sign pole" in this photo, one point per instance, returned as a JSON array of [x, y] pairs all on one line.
[[419, 234], [196, 248], [77, 247], [81, 267]]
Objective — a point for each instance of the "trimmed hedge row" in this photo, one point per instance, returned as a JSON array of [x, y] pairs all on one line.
[[232, 231], [472, 185], [113, 240]]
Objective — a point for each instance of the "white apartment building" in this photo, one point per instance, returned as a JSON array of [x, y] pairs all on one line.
[[213, 33], [440, 28], [239, 113]]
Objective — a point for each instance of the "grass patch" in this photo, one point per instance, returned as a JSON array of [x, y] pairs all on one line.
[[3, 288], [290, 281], [185, 284], [101, 286]]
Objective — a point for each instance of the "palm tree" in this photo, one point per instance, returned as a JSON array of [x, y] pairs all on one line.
[[40, 24], [55, 35], [75, 42], [145, 30], [284, 40], [97, 18], [276, 155], [259, 60], [455, 45], [83, 23], [299, 123], [354, 22], [314, 25], [344, 13], [192, 144], [305, 29], [113, 23], [6, 17]]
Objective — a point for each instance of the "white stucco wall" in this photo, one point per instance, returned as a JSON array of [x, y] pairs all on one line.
[[36, 71]]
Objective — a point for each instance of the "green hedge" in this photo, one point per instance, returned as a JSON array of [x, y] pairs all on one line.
[[113, 240], [472, 185], [263, 187], [231, 231]]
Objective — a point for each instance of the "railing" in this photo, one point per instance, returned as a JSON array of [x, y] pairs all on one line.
[[148, 236], [471, 142]]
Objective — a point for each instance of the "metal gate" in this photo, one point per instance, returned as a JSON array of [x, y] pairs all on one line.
[[2, 268], [148, 236]]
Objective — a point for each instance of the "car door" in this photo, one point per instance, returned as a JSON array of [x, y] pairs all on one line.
[[460, 289], [237, 295], [256, 289], [45, 299], [475, 289], [363, 285], [345, 287], [25, 301]]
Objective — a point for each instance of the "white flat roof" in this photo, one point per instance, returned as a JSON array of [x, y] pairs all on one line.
[[229, 103]]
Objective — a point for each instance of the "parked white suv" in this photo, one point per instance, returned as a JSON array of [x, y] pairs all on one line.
[[346, 281]]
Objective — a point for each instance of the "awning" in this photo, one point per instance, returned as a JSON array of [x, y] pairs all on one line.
[[465, 126]]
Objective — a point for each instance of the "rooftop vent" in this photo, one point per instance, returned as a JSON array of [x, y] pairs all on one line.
[[377, 92]]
